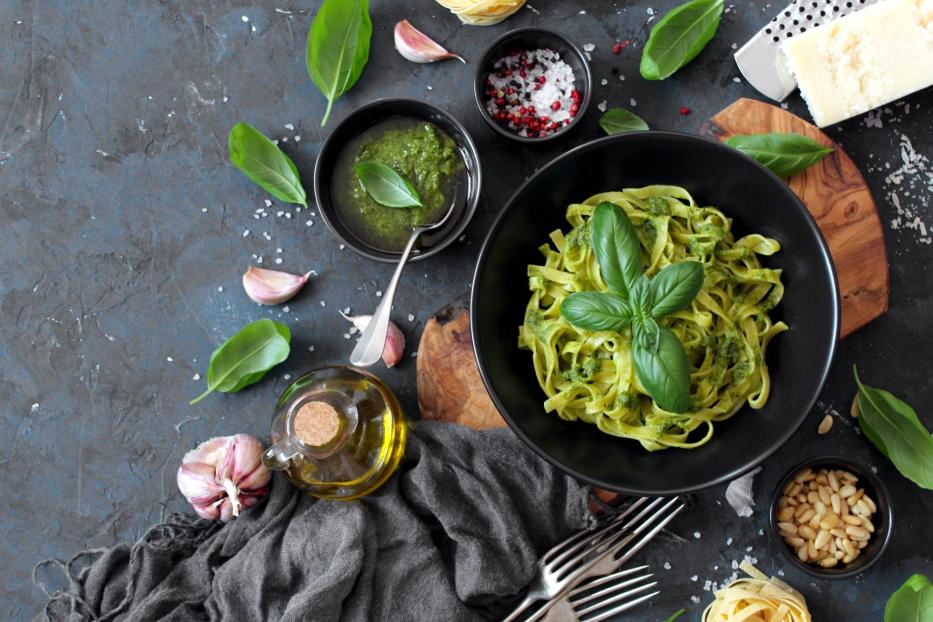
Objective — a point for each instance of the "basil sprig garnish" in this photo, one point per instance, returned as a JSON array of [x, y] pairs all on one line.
[[894, 428], [784, 154], [679, 36], [385, 186], [637, 301], [264, 163]]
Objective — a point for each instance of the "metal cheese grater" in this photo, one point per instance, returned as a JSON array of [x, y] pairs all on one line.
[[760, 60]]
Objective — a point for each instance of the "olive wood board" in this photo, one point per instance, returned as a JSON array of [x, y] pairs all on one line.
[[835, 193]]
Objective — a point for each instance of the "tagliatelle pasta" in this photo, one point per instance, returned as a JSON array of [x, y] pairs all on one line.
[[482, 12], [589, 375], [757, 599]]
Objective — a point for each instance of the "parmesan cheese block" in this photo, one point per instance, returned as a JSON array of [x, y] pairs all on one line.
[[864, 60]]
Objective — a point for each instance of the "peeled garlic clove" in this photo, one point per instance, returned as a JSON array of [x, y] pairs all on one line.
[[272, 287], [417, 46], [223, 476], [395, 340]]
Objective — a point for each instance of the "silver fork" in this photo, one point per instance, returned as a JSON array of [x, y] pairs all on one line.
[[564, 565], [601, 598]]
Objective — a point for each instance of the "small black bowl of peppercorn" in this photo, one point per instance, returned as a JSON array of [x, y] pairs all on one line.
[[532, 85]]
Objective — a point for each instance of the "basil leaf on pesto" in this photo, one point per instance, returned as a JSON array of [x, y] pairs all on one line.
[[596, 311], [385, 186], [617, 248], [664, 372], [675, 287]]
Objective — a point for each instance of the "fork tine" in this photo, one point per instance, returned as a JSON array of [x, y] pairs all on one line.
[[596, 582], [604, 536], [573, 569], [605, 615], [618, 585], [572, 543], [647, 537]]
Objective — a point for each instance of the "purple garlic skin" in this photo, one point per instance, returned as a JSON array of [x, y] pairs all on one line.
[[417, 47], [223, 476], [272, 287]]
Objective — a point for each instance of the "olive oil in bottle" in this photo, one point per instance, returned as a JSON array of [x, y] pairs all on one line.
[[338, 433]]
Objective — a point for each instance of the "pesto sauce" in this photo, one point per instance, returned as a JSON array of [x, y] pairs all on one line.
[[417, 150]]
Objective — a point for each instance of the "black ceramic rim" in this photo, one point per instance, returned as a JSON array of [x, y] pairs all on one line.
[[486, 60], [792, 200], [374, 108], [880, 496]]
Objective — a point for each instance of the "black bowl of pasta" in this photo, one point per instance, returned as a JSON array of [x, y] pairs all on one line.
[[677, 370]]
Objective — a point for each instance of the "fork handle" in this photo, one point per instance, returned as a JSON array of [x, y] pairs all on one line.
[[527, 602]]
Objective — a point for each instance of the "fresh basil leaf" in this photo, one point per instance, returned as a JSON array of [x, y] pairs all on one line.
[[912, 602], [596, 311], [646, 333], [676, 615], [385, 186], [617, 248], [265, 164], [620, 121], [338, 47], [784, 154], [641, 296], [678, 37], [244, 358], [675, 287], [665, 373], [893, 426]]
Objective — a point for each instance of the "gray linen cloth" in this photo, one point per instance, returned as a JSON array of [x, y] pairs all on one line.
[[454, 535]]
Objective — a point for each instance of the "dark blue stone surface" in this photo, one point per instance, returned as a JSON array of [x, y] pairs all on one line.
[[123, 238]]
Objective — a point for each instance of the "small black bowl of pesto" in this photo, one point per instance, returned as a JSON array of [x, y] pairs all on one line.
[[392, 165]]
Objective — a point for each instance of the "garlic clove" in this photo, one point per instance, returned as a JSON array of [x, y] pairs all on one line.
[[395, 340], [223, 476], [418, 47], [395, 346], [272, 287]]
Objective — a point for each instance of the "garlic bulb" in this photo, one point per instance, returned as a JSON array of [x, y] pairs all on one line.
[[395, 340], [417, 46], [272, 287], [223, 476]]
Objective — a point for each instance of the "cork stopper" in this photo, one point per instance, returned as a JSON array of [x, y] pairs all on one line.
[[316, 423]]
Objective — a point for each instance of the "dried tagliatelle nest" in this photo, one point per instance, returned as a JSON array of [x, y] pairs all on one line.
[[758, 598], [482, 12]]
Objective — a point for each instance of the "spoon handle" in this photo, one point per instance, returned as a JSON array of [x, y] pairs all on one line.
[[369, 348]]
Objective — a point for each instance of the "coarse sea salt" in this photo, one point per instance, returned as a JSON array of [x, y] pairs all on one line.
[[532, 92]]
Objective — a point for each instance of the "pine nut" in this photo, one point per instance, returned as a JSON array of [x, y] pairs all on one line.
[[807, 515], [852, 520], [811, 550], [785, 514], [828, 562], [871, 504], [844, 507], [802, 553], [839, 554], [801, 510], [853, 410], [814, 522], [847, 491], [867, 524], [862, 507], [836, 502], [857, 533], [820, 508], [825, 425], [788, 487], [807, 532], [822, 539], [861, 544], [796, 541], [812, 497], [850, 557], [795, 490], [803, 475], [821, 478], [833, 481], [829, 522], [788, 527], [825, 495], [848, 476], [839, 532], [848, 547]]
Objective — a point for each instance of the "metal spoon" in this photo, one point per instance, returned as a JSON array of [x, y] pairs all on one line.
[[369, 348]]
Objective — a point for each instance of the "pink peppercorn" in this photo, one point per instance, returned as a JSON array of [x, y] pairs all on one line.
[[617, 48], [555, 105], [684, 110]]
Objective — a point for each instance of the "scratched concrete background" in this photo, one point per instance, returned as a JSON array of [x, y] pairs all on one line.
[[124, 232]]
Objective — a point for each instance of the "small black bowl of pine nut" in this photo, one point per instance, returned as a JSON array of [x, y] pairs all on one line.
[[832, 517]]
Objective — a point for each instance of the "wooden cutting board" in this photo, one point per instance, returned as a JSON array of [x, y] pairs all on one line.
[[836, 194]]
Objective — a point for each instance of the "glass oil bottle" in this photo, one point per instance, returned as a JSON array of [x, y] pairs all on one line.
[[337, 433]]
